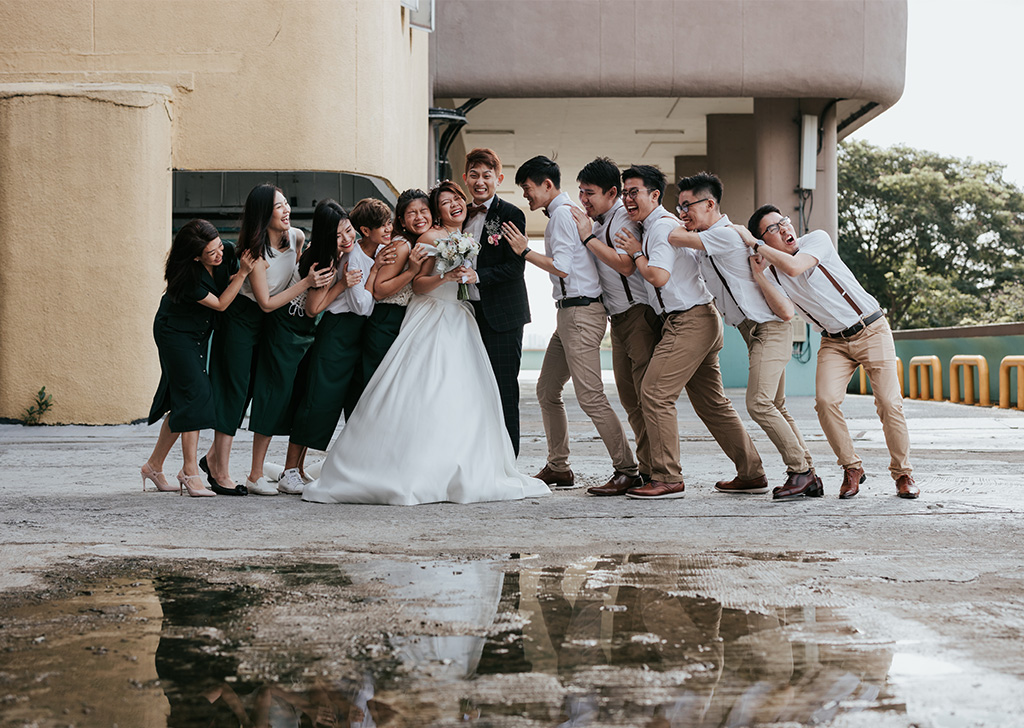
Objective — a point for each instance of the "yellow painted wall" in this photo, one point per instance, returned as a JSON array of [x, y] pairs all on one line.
[[85, 183]]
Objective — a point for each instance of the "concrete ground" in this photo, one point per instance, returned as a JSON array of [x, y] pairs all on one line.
[[941, 577]]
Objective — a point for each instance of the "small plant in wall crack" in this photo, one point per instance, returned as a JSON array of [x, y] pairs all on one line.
[[34, 413]]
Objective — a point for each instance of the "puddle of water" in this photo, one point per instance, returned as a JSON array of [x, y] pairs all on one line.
[[619, 640]]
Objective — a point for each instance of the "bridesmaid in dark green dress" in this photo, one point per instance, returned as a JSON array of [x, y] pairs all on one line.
[[201, 280], [235, 369]]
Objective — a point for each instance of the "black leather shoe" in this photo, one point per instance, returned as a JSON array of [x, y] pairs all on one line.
[[221, 490]]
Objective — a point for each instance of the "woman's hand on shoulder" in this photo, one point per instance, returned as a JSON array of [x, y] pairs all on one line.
[[417, 255], [386, 255], [320, 278], [350, 278]]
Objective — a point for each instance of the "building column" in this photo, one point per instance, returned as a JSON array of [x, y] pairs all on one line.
[[85, 226], [777, 167]]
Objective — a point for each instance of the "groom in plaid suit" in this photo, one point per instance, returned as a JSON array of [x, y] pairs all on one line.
[[503, 308]]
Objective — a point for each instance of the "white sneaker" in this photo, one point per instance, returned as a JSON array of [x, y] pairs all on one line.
[[291, 482], [260, 487]]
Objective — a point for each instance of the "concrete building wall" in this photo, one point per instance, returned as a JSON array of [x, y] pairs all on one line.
[[85, 220], [333, 85]]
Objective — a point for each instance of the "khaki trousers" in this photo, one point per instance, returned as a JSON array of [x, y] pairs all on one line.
[[687, 357], [635, 333], [575, 351], [874, 349], [770, 346]]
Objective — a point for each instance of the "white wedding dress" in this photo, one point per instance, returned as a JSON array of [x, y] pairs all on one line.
[[429, 425]]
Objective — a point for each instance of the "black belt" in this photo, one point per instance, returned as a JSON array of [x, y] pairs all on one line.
[[578, 301], [856, 328]]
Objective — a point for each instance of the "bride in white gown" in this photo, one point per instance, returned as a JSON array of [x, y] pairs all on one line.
[[429, 425]]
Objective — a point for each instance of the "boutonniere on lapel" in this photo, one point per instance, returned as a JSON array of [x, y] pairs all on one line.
[[493, 230]]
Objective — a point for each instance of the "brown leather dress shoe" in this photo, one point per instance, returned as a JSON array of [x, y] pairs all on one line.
[[799, 485], [852, 478], [618, 485], [906, 488], [656, 489], [557, 479], [737, 485]]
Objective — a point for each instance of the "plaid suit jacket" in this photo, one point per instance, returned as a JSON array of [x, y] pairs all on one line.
[[503, 298]]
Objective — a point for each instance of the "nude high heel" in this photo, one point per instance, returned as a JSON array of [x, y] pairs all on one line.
[[199, 491], [157, 478]]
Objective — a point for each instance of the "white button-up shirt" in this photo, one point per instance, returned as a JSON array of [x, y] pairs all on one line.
[[562, 244], [354, 299], [613, 285], [685, 288], [813, 293], [725, 265]]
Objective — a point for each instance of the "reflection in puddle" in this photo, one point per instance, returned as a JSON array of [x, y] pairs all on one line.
[[609, 641]]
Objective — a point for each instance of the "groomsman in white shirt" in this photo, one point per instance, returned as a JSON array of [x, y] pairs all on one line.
[[575, 348], [760, 311], [854, 331], [635, 327], [687, 355]]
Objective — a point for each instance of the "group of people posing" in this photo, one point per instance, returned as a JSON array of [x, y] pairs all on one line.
[[428, 383]]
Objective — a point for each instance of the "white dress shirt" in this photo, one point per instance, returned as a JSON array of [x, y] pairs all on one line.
[[354, 299], [562, 244], [815, 295], [725, 265], [685, 288], [619, 293]]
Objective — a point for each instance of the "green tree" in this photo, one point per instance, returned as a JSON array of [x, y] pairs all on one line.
[[910, 219]]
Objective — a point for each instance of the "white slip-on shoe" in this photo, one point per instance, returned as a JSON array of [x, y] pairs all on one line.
[[291, 482], [260, 487]]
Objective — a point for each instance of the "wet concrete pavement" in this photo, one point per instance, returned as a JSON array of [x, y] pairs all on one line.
[[571, 610]]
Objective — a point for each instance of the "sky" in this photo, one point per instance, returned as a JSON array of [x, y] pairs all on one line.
[[963, 97], [963, 86]]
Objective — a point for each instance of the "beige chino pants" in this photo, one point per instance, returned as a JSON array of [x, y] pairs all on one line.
[[874, 349], [770, 347], [687, 357], [575, 352], [635, 333]]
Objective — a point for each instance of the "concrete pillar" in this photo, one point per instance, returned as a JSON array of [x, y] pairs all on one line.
[[730, 156], [686, 165], [85, 225], [777, 166], [777, 153]]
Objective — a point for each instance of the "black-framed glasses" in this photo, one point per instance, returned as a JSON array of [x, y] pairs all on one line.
[[776, 226], [685, 207], [632, 192]]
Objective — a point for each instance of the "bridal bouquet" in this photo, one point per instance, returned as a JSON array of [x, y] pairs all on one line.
[[454, 251]]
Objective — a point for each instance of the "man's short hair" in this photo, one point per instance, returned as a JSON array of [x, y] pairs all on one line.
[[370, 213], [537, 170], [485, 157], [703, 184], [603, 173], [652, 177], [754, 223]]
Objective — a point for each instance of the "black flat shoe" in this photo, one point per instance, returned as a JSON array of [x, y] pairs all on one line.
[[221, 490]]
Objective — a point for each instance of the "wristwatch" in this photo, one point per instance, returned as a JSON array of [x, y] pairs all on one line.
[[757, 245], [525, 253], [638, 253]]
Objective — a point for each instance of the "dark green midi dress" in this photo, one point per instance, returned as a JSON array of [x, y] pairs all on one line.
[[182, 333]]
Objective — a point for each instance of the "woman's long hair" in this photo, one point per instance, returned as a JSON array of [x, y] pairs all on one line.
[[183, 272], [404, 200], [323, 243], [253, 234]]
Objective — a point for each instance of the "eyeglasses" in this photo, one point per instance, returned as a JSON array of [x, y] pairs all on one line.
[[632, 192], [685, 207], [775, 227]]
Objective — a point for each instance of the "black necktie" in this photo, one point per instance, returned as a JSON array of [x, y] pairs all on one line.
[[546, 213]]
